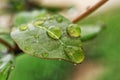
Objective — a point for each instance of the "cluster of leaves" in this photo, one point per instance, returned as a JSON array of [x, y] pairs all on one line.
[[42, 34]]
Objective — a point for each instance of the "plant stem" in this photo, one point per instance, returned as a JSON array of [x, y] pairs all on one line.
[[6, 44], [17, 50], [89, 11]]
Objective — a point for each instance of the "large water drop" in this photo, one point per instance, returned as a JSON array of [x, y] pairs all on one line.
[[23, 27], [74, 30], [74, 53], [54, 32]]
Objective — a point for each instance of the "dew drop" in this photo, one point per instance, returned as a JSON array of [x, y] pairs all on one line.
[[55, 32], [23, 28], [74, 30], [38, 23], [74, 53], [45, 55], [59, 19]]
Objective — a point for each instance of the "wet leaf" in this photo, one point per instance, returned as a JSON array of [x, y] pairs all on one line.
[[27, 16], [50, 39]]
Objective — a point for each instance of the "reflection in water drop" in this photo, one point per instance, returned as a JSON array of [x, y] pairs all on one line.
[[74, 53], [54, 32], [23, 28], [74, 30]]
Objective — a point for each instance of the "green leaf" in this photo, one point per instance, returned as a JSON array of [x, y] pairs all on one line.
[[51, 37], [27, 16], [5, 67], [90, 31], [87, 31]]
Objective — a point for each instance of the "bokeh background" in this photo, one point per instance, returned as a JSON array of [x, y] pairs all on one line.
[[102, 53]]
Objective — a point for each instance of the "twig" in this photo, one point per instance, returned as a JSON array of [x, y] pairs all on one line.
[[89, 11], [17, 50], [6, 44]]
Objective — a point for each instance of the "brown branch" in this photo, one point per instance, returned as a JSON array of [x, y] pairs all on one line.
[[6, 44], [17, 50], [89, 11]]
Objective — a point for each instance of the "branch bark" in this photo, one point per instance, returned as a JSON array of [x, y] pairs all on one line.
[[89, 11], [6, 44]]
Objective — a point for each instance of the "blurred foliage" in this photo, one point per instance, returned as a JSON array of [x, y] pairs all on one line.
[[17, 5], [6, 63], [28, 16], [105, 48]]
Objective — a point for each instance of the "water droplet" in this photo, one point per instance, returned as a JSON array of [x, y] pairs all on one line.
[[55, 32], [23, 27], [74, 53], [74, 30], [59, 19], [45, 55], [38, 23]]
